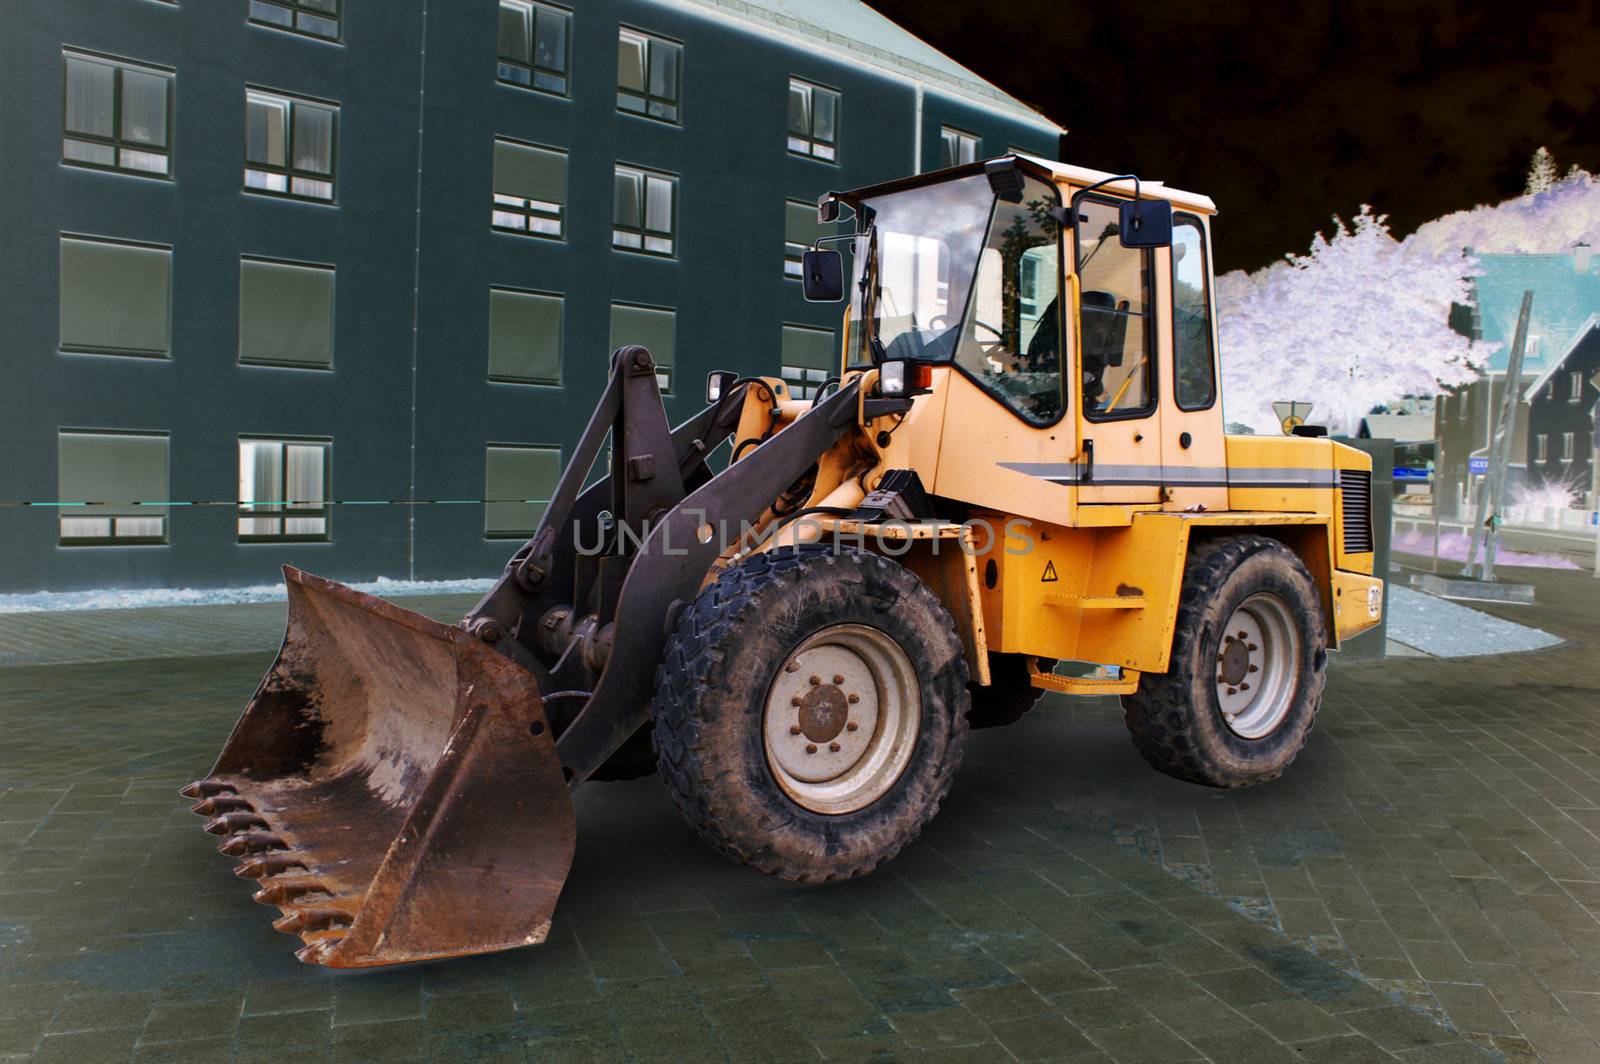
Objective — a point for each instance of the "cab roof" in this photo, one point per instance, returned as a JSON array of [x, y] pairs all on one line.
[[1045, 169]]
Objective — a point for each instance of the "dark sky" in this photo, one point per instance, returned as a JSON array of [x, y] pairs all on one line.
[[1286, 113]]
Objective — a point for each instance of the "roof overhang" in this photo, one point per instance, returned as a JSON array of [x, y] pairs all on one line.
[[1555, 364]]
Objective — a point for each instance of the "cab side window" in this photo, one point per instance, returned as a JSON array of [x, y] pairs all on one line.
[[1118, 378], [1011, 344], [1194, 373]]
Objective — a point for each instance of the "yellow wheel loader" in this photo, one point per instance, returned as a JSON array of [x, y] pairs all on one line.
[[797, 603]]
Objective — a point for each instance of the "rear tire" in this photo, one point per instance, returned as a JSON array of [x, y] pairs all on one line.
[[1010, 693], [1247, 669], [753, 712]]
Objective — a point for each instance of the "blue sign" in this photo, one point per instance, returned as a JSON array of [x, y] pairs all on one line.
[[1477, 466], [1409, 473]]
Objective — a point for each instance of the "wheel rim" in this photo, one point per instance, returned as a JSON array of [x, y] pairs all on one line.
[[841, 718], [1258, 666]]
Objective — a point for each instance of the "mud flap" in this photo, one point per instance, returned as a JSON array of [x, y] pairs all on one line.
[[393, 786]]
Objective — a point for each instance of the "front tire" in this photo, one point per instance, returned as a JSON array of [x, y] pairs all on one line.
[[810, 712], [1247, 670]]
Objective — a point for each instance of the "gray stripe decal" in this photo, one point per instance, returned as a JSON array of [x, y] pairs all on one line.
[[1190, 476]]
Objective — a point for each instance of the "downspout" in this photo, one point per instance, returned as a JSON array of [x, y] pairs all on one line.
[[916, 134]]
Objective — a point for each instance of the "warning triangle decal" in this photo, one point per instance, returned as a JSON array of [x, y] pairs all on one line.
[[1049, 576]]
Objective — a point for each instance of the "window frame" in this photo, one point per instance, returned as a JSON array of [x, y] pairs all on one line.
[[807, 389], [643, 230], [527, 212], [810, 139], [1576, 379], [295, 8], [1187, 218], [531, 64], [164, 539], [561, 339], [115, 141], [1541, 447], [1152, 401], [333, 316], [492, 445], [284, 511], [1569, 447], [123, 352], [1062, 324], [670, 369], [289, 170], [651, 40], [977, 145]]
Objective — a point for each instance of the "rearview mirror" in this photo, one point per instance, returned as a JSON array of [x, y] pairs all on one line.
[[1145, 223], [822, 276]]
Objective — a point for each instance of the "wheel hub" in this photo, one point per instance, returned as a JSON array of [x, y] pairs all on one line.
[[1258, 664], [841, 718], [824, 713]]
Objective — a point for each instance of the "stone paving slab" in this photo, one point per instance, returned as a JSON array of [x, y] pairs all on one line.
[[1422, 886]]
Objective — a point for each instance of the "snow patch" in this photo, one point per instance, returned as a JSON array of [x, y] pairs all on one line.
[[139, 598], [1449, 630]]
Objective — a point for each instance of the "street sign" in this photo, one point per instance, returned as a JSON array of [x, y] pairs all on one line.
[[1291, 415], [1477, 466]]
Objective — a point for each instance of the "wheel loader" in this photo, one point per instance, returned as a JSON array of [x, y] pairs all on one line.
[[796, 606]]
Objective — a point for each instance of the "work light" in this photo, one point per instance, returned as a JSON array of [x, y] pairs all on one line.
[[892, 377], [717, 383]]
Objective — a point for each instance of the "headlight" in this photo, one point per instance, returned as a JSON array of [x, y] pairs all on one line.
[[717, 384], [892, 377]]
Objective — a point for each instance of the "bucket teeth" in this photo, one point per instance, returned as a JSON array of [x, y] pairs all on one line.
[[302, 920], [221, 804], [284, 891], [234, 823], [207, 787], [266, 867], [249, 842]]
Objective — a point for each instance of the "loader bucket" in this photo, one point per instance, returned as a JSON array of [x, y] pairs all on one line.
[[392, 787]]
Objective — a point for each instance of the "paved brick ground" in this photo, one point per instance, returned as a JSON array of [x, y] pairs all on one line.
[[1423, 886]]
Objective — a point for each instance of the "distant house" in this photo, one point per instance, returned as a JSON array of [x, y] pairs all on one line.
[[1561, 413], [1566, 292]]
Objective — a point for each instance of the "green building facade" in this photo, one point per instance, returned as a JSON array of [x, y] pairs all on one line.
[[334, 282]]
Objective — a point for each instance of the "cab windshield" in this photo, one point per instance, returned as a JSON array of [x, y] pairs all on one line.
[[951, 273]]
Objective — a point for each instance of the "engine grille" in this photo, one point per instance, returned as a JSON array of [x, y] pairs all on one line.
[[1355, 488]]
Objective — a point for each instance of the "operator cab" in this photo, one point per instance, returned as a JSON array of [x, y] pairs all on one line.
[[1050, 290]]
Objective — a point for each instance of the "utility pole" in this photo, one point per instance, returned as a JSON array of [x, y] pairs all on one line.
[[1492, 499]]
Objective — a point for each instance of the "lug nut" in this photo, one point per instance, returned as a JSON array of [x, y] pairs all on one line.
[[1233, 690], [852, 726], [794, 729], [1251, 646], [853, 699], [834, 747], [816, 681], [793, 666], [1244, 687], [1254, 669], [797, 701], [811, 748], [1243, 635], [838, 679]]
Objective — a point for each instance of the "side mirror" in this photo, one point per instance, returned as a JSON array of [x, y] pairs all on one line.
[[822, 276], [1145, 223]]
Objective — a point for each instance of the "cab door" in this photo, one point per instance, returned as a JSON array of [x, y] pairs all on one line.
[[1193, 452], [1116, 360]]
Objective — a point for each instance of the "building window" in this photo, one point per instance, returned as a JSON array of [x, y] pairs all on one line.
[[648, 69], [647, 213], [530, 186], [524, 336], [518, 481], [957, 147], [289, 145], [1569, 442], [651, 328], [809, 358], [314, 18], [533, 46], [285, 313], [1541, 448], [115, 298], [801, 231], [1550, 389], [1576, 384], [813, 120], [113, 487], [1534, 346], [118, 116], [283, 489]]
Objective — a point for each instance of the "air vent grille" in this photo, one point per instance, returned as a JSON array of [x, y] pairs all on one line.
[[1355, 488]]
